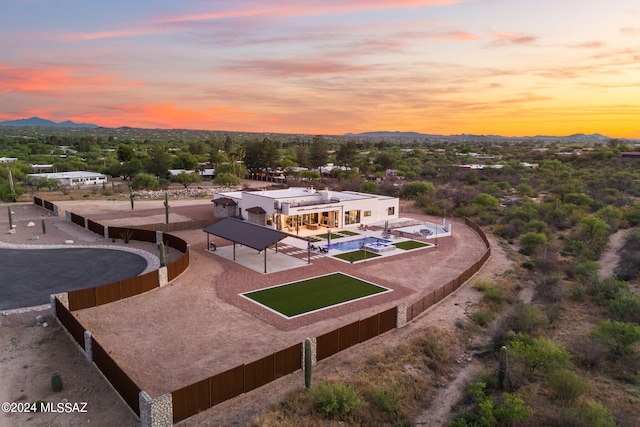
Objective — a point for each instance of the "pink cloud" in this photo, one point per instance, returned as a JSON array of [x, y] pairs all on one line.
[[505, 39], [45, 79]]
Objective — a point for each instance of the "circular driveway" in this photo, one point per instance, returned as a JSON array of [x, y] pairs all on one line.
[[29, 276]]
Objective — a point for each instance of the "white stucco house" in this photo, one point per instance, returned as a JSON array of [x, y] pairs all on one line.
[[306, 207], [74, 178]]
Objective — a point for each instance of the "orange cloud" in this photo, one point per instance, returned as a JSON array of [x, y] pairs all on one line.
[[44, 79]]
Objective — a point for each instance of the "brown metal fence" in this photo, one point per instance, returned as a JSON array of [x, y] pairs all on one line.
[[95, 227], [76, 219], [37, 201], [177, 267], [204, 394], [127, 388], [179, 226], [48, 206], [70, 322], [92, 297], [439, 294]]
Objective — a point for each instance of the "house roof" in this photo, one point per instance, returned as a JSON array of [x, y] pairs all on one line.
[[224, 201], [257, 210], [247, 234]]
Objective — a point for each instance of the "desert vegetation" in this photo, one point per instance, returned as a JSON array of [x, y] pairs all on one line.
[[570, 326]]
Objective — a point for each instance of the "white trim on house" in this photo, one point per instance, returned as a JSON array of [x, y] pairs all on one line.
[[308, 207]]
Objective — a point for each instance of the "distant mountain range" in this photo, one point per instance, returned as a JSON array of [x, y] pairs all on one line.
[[37, 121], [578, 137]]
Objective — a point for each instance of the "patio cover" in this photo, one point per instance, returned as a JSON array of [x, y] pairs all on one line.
[[244, 233]]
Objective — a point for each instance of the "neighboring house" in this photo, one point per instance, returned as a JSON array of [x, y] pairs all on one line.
[[8, 159], [306, 207], [70, 178], [41, 168]]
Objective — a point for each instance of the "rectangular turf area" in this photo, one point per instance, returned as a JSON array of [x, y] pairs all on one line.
[[306, 296]]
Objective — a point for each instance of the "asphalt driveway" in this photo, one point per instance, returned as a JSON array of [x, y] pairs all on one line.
[[29, 276]]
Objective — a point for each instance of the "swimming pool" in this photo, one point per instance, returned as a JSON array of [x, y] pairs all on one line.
[[357, 244]]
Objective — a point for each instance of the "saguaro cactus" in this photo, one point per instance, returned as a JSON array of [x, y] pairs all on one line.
[[161, 248], [166, 208], [307, 363], [503, 370], [10, 218], [44, 227], [131, 198]]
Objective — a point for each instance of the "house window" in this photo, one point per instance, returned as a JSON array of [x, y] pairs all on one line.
[[367, 213], [351, 217], [391, 210]]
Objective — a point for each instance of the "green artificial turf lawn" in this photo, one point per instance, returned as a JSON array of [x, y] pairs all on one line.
[[333, 236], [313, 294], [348, 233], [358, 255], [410, 244]]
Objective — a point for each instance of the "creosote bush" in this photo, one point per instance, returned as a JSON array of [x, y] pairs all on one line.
[[335, 400], [567, 385]]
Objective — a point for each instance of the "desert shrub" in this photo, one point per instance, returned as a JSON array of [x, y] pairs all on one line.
[[603, 292], [578, 292], [480, 318], [587, 272], [587, 352], [567, 385], [619, 337], [538, 353], [492, 291], [508, 409], [554, 312], [590, 414], [530, 241], [526, 319], [335, 399], [626, 307], [388, 399], [549, 288]]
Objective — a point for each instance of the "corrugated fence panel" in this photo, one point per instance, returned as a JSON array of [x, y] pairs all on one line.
[[150, 280], [82, 298], [177, 267], [327, 345], [227, 385], [439, 294], [387, 320], [258, 373], [77, 219], [108, 293], [348, 335], [37, 201], [130, 287], [369, 327], [95, 227], [287, 361], [70, 322], [119, 380], [48, 206], [190, 400]]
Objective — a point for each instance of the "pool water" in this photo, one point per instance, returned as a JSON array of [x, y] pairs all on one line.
[[356, 244]]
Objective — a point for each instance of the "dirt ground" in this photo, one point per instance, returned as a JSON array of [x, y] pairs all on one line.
[[209, 328]]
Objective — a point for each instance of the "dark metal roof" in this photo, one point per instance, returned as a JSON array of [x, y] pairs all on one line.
[[225, 201], [257, 210], [247, 234]]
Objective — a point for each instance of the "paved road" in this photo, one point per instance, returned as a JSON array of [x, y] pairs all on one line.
[[29, 276]]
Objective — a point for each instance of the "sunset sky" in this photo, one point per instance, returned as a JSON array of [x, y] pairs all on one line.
[[508, 67]]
